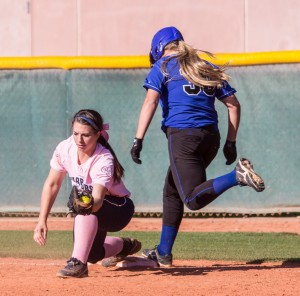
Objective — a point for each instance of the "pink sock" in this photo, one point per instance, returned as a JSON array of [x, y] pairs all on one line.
[[85, 229], [113, 246]]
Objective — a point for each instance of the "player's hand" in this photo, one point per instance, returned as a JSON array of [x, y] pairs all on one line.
[[229, 151], [136, 150], [40, 233]]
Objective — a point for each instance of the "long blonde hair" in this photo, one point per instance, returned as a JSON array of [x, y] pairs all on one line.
[[193, 68]]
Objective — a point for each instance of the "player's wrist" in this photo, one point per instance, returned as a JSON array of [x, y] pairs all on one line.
[[137, 141], [230, 142], [139, 138]]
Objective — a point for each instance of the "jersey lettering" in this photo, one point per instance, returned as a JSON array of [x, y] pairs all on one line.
[[82, 185], [191, 89], [210, 91], [194, 90]]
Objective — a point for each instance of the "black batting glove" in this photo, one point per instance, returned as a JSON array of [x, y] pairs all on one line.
[[136, 150], [229, 151]]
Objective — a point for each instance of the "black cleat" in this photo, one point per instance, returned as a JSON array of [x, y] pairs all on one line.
[[153, 254], [74, 268]]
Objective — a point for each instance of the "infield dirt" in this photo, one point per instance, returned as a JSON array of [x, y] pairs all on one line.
[[186, 278]]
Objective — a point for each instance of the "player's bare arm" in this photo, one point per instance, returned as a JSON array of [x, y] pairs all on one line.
[[234, 114], [49, 193], [147, 112], [98, 194]]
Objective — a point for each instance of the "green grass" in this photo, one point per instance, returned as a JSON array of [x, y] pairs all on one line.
[[20, 244], [241, 246]]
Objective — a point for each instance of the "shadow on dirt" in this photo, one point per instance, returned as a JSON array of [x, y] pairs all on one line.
[[202, 270]]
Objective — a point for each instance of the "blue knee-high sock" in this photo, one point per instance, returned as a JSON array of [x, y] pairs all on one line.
[[167, 239], [225, 182]]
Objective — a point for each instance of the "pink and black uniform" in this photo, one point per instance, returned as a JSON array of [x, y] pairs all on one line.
[[97, 170]]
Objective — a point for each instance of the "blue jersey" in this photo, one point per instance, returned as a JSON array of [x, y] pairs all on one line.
[[184, 105]]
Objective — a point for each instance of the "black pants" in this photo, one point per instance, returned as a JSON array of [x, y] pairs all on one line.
[[190, 151], [114, 215]]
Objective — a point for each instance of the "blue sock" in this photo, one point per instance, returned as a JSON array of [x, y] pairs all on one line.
[[225, 182], [167, 239]]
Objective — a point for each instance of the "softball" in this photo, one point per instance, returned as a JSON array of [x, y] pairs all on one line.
[[85, 199]]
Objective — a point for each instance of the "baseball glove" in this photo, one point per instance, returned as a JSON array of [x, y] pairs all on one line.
[[81, 203]]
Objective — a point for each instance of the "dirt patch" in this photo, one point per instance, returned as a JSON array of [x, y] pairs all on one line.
[[186, 278], [291, 225]]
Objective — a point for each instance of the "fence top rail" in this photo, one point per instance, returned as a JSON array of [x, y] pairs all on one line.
[[133, 62]]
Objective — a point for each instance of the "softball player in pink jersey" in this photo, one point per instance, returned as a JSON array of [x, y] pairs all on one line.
[[93, 167]]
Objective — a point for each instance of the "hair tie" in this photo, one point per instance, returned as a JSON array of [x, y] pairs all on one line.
[[104, 133], [105, 126]]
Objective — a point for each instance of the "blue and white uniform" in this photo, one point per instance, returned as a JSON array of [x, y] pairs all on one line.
[[183, 104], [190, 121]]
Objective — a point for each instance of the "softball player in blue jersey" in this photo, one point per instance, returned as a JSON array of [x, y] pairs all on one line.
[[186, 87]]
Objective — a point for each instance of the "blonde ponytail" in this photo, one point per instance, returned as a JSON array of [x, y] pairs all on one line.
[[193, 68]]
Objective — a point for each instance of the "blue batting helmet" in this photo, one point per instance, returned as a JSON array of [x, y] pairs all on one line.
[[162, 38]]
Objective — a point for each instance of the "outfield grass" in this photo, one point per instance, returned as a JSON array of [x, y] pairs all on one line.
[[233, 246]]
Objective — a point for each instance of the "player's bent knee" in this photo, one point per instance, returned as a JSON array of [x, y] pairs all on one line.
[[93, 261], [193, 206], [201, 201]]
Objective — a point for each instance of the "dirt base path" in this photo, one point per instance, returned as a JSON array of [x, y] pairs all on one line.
[[291, 225], [186, 278]]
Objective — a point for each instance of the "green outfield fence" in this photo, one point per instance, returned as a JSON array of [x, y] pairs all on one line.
[[38, 97]]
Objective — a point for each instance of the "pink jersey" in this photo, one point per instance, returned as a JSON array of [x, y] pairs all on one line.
[[97, 170]]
